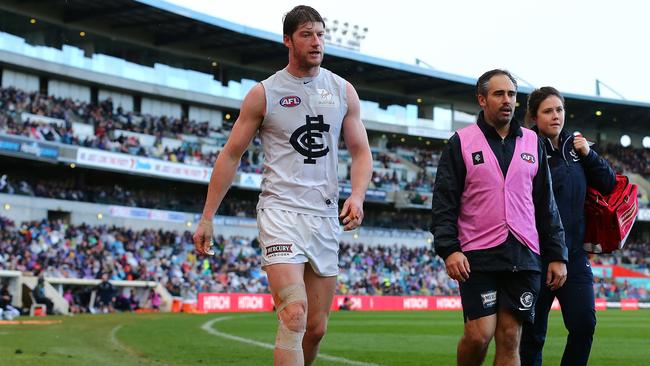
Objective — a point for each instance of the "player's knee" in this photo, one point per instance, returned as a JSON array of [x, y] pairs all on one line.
[[316, 330], [292, 314], [477, 340], [292, 304], [508, 338]]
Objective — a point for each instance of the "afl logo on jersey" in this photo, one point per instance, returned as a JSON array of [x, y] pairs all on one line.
[[528, 158], [290, 101]]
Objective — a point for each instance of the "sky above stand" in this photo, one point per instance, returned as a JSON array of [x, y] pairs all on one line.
[[566, 44]]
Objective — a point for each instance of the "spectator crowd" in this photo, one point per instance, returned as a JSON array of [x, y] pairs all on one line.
[[106, 121], [55, 249]]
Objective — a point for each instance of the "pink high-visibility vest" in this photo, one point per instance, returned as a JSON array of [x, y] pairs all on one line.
[[490, 205]]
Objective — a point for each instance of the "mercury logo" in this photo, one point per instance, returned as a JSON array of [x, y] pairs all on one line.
[[290, 101], [304, 138], [278, 249]]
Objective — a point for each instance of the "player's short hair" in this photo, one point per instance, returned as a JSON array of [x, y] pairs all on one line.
[[299, 15], [482, 83]]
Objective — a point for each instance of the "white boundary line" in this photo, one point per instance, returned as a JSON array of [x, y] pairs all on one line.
[[207, 326]]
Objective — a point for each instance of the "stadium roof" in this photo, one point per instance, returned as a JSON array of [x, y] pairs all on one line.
[[156, 29]]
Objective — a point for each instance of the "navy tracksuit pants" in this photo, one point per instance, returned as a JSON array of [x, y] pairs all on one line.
[[576, 299]]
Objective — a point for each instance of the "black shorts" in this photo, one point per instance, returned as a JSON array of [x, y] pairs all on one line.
[[485, 292]]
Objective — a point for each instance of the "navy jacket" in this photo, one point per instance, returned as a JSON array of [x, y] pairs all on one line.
[[571, 174]]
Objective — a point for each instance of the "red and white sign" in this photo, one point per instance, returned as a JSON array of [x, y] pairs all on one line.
[[448, 303], [234, 302], [356, 302], [208, 302], [629, 304], [415, 303], [399, 303]]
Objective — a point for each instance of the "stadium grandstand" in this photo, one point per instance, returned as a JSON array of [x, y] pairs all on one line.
[[112, 114]]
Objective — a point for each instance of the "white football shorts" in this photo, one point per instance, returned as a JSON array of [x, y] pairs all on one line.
[[292, 237]]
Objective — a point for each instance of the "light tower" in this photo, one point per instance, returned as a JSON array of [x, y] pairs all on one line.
[[342, 34]]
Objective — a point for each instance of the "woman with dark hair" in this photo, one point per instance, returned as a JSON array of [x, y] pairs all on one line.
[[574, 166]]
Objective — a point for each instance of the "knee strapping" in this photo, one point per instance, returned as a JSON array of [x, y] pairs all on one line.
[[290, 335], [291, 294], [288, 339]]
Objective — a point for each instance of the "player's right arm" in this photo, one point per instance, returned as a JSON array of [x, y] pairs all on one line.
[[250, 117]]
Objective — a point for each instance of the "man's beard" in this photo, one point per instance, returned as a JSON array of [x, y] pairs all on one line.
[[304, 62]]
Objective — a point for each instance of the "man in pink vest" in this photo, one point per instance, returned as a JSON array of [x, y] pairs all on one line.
[[494, 218]]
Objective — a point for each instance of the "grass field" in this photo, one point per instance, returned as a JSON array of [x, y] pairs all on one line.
[[354, 338]]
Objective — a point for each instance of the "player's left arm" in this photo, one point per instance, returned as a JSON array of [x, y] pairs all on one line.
[[356, 141]]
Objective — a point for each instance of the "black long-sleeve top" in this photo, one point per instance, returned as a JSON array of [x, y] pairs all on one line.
[[510, 255]]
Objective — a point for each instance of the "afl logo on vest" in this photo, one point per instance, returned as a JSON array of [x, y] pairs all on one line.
[[290, 101], [528, 158], [304, 139]]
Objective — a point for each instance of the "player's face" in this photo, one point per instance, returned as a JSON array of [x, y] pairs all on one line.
[[499, 103], [307, 44], [550, 117]]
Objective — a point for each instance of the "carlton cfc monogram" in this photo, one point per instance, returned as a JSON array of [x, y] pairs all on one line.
[[304, 138]]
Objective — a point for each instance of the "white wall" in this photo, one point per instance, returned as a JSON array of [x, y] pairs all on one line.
[[26, 82], [213, 116], [63, 89], [157, 107]]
